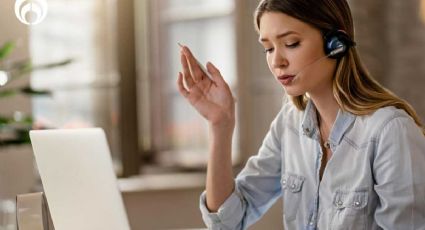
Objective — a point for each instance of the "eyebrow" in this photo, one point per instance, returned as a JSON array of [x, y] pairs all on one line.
[[278, 36]]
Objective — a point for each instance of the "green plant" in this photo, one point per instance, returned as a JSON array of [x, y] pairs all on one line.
[[14, 129]]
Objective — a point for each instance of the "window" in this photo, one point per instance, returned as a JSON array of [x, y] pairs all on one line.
[[84, 92], [175, 134], [178, 134]]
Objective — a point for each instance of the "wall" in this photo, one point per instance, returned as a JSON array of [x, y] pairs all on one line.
[[391, 41]]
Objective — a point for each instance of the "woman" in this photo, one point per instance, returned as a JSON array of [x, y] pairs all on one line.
[[345, 153]]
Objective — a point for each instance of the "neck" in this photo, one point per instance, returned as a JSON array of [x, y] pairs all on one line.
[[327, 108]]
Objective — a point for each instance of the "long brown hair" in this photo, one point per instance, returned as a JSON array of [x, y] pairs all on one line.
[[355, 90]]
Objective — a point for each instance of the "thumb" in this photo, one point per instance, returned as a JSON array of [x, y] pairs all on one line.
[[215, 73]]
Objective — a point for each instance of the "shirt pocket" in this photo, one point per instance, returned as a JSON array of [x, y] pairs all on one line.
[[292, 185], [350, 209]]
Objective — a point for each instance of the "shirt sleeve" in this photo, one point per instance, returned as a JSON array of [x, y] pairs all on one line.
[[257, 186], [399, 170], [228, 215]]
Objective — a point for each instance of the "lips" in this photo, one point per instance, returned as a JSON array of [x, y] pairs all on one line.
[[286, 79]]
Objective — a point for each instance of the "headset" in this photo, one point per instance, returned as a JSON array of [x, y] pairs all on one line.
[[337, 43]]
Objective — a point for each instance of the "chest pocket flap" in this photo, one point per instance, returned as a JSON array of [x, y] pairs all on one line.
[[292, 182], [351, 199]]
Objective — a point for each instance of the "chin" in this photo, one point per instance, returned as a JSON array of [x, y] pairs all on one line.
[[294, 92]]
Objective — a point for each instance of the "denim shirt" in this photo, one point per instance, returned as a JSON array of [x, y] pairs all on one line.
[[375, 178]]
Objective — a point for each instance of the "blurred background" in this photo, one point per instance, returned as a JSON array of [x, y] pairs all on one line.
[[113, 64]]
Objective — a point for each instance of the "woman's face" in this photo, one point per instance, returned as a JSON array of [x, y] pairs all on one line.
[[291, 47]]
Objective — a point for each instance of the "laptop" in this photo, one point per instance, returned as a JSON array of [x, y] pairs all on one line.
[[79, 182]]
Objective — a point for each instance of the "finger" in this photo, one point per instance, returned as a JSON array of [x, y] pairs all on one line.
[[186, 72], [203, 106], [183, 91], [215, 73], [207, 74], [194, 68]]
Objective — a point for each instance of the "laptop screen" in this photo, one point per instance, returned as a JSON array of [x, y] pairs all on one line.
[[79, 182]]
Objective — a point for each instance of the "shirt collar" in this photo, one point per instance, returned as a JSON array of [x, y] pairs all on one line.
[[342, 122], [309, 122]]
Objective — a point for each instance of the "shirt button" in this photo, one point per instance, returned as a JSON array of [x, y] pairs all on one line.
[[357, 204], [340, 203], [311, 223], [284, 182], [327, 145], [293, 186]]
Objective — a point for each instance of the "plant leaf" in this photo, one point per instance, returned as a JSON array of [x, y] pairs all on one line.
[[53, 64], [8, 93], [25, 66], [34, 92], [22, 66], [27, 90], [6, 49], [4, 120]]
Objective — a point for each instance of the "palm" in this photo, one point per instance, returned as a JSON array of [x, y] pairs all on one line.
[[212, 99]]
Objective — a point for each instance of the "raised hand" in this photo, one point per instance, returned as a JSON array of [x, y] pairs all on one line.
[[212, 98]]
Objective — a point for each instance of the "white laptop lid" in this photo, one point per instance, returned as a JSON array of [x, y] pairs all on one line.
[[78, 179]]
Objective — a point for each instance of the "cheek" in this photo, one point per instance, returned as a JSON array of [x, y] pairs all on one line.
[[269, 62], [322, 73], [309, 61]]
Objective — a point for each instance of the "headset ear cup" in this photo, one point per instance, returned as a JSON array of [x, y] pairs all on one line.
[[337, 43], [336, 47]]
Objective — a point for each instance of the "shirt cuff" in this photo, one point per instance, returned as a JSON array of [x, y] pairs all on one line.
[[228, 216]]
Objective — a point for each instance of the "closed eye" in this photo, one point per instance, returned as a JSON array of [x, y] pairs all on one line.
[[268, 50], [293, 45]]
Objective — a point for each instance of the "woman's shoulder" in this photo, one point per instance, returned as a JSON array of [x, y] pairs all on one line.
[[385, 114], [380, 119]]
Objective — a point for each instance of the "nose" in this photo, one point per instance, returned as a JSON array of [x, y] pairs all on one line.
[[278, 60]]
